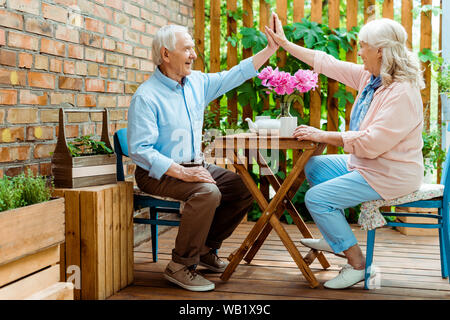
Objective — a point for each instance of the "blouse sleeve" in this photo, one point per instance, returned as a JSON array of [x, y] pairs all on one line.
[[350, 74]]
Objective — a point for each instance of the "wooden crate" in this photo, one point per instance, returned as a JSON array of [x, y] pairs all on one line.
[[77, 172], [417, 231], [99, 238], [30, 240]]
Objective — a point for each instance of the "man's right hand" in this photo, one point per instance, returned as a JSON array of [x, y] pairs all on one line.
[[190, 174]]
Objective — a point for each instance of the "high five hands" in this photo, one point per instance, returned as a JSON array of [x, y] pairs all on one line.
[[275, 32]]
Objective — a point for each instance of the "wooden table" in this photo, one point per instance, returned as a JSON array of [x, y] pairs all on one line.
[[229, 146]]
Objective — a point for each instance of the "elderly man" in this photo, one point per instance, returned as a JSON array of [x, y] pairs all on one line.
[[165, 121]]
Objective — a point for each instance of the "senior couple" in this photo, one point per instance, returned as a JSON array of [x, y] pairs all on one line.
[[383, 146]]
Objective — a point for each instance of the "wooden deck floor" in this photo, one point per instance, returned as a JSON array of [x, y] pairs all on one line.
[[409, 268]]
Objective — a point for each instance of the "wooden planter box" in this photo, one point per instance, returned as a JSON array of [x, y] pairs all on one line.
[[30, 239], [76, 172], [417, 231], [99, 239]]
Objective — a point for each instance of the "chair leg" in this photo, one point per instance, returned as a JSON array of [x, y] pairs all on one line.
[[446, 232], [154, 233], [369, 256], [442, 249]]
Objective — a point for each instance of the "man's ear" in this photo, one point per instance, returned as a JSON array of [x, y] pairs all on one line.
[[165, 54]]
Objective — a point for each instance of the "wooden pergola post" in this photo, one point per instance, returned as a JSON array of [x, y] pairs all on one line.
[[446, 55]]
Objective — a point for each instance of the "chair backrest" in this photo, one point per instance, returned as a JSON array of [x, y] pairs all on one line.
[[121, 149], [445, 178]]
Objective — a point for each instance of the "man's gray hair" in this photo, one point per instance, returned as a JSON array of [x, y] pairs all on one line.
[[165, 37]]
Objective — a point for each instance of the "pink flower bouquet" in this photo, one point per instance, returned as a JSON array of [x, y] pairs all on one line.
[[284, 84]]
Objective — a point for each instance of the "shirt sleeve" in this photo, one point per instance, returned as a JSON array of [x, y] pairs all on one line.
[[348, 73], [142, 134], [216, 84], [393, 122]]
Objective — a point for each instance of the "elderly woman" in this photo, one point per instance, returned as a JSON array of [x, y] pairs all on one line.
[[384, 144]]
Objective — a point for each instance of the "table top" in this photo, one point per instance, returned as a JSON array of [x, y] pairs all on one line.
[[261, 141]]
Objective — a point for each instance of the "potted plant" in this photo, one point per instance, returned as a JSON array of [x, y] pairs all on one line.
[[84, 162], [31, 230]]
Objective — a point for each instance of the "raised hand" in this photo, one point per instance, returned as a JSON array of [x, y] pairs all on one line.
[[276, 30]]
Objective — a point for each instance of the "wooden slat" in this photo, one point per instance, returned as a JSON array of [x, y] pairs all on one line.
[[27, 286], [282, 14], [388, 9], [316, 11], [315, 104], [20, 268], [247, 6], [215, 51], [199, 34], [123, 235], [333, 85], [89, 246], [23, 232], [116, 238], [58, 291], [71, 255], [352, 21], [439, 108], [108, 198], [130, 231], [298, 10], [99, 207], [232, 59], [425, 43], [369, 10], [407, 19]]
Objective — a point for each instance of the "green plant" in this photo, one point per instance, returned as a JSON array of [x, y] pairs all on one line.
[[23, 190], [432, 152], [440, 67], [86, 146]]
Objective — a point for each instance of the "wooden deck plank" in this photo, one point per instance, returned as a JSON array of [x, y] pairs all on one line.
[[409, 266]]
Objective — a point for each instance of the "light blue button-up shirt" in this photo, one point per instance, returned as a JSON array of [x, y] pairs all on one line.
[[165, 119]]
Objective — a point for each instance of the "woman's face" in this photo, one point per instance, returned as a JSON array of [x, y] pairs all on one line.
[[371, 57]]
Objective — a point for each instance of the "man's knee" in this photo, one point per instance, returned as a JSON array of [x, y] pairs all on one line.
[[210, 192]]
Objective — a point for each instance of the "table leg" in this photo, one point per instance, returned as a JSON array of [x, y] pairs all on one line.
[[293, 213], [293, 251], [268, 211]]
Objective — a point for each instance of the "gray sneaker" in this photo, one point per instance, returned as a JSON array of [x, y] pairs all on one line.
[[212, 262], [187, 278]]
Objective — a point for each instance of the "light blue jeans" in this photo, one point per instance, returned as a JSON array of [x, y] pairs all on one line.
[[333, 189]]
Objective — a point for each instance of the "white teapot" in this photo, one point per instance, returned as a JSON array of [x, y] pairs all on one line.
[[264, 125]]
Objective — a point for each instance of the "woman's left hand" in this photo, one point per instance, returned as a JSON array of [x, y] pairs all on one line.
[[304, 132]]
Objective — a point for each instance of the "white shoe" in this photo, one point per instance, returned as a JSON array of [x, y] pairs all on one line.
[[320, 245], [347, 277]]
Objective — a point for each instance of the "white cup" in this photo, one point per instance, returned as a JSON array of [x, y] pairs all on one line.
[[287, 126]]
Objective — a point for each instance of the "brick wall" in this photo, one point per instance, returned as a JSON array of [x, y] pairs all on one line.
[[91, 53]]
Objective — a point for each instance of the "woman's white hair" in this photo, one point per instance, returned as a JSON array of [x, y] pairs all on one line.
[[165, 37], [398, 63]]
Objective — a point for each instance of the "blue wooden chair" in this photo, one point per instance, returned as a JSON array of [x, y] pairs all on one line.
[[155, 204], [443, 206]]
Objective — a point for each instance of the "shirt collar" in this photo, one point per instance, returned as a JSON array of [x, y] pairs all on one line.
[[170, 83]]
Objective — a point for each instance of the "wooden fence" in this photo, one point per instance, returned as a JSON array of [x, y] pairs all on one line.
[[334, 18]]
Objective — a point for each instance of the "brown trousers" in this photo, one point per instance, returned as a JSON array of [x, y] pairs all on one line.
[[211, 211]]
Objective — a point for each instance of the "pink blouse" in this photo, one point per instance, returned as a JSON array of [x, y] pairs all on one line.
[[387, 149]]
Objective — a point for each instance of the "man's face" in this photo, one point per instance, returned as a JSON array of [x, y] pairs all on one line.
[[181, 59]]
